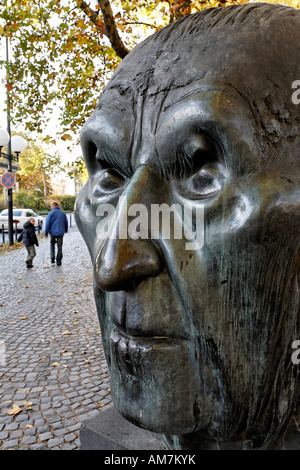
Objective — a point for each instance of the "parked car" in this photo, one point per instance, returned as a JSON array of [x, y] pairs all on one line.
[[20, 216]]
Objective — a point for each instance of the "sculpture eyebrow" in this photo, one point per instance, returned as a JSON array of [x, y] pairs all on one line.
[[199, 89], [112, 159], [177, 167], [179, 164]]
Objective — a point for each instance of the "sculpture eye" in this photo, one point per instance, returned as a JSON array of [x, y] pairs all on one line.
[[206, 182], [204, 177], [110, 180]]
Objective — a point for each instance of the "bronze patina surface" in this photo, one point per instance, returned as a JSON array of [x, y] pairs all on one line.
[[199, 340]]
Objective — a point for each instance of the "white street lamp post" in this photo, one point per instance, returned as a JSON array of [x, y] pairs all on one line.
[[15, 145]]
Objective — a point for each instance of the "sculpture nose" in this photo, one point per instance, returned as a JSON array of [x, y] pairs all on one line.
[[122, 263]]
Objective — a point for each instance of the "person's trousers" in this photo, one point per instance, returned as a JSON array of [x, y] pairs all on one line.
[[59, 241], [30, 252]]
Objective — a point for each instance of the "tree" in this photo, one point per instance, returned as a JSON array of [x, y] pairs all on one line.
[[65, 51], [36, 169]]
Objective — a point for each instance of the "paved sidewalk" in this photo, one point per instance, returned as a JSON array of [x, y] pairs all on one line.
[[53, 373]]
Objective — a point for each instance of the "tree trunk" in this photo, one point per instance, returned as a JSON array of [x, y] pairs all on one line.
[[45, 186], [111, 30]]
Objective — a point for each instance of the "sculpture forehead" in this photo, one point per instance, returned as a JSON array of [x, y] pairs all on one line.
[[255, 55], [254, 62]]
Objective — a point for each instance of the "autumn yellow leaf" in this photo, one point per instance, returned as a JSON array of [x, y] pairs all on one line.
[[14, 410], [27, 405], [80, 23], [66, 333], [69, 46], [56, 364], [66, 137]]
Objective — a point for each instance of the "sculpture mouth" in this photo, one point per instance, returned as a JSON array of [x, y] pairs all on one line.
[[154, 341], [133, 353]]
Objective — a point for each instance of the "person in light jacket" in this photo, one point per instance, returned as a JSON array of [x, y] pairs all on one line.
[[57, 226]]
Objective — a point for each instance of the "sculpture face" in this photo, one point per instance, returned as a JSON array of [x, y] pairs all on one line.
[[199, 340]]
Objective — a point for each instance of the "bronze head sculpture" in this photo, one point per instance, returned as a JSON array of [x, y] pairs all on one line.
[[198, 339]]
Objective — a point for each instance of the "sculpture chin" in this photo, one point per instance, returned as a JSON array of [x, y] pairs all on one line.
[[157, 385], [150, 380]]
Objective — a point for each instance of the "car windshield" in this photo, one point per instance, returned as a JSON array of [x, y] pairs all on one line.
[[16, 212]]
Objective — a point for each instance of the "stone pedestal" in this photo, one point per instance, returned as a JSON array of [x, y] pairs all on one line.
[[110, 431]]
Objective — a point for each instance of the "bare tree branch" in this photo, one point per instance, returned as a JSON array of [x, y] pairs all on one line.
[[142, 23]]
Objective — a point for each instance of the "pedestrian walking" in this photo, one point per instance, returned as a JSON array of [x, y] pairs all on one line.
[[29, 238], [57, 226]]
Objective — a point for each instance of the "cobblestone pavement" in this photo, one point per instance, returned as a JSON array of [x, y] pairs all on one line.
[[53, 373]]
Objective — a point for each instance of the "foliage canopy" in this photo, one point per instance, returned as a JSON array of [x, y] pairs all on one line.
[[64, 51]]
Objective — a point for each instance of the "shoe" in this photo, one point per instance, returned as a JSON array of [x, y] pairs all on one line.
[[29, 263], [52, 260], [58, 264]]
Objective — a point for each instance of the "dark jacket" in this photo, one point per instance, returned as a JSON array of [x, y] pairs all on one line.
[[56, 223], [28, 235]]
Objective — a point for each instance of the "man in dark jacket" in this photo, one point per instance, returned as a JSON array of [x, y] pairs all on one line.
[[57, 226], [29, 240]]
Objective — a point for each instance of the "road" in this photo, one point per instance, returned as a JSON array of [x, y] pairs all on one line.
[[53, 373]]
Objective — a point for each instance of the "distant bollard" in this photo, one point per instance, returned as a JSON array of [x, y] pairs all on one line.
[[3, 237]]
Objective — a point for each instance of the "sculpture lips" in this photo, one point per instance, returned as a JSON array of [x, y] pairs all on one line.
[[132, 350]]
